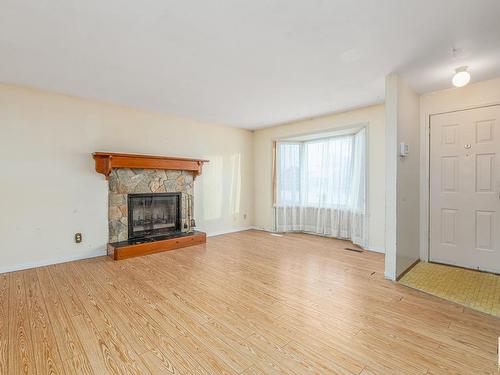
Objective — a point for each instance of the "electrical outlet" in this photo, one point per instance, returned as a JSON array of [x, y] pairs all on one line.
[[244, 216], [78, 237]]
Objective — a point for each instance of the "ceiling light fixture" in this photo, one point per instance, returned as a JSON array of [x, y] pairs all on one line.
[[461, 77]]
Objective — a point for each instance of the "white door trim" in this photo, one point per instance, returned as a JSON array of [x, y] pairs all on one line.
[[425, 120]]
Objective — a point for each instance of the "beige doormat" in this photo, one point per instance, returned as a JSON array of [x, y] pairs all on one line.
[[477, 290]]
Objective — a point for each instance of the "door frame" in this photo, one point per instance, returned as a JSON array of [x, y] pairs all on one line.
[[425, 182]]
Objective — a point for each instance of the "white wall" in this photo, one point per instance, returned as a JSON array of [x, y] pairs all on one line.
[[391, 164], [49, 189], [408, 188], [473, 95], [403, 189], [374, 117]]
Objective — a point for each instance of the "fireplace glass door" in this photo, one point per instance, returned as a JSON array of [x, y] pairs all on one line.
[[153, 214]]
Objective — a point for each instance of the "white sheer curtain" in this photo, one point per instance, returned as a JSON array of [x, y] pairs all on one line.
[[320, 187]]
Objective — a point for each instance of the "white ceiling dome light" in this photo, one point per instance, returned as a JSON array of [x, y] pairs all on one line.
[[461, 77]]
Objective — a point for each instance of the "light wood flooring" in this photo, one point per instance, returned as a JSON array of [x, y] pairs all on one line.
[[244, 303]]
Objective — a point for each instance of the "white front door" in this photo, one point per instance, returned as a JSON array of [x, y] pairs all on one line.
[[465, 188]]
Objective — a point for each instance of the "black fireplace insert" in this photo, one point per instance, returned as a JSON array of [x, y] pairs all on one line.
[[151, 215]]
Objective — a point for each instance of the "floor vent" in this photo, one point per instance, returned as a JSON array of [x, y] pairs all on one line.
[[355, 250]]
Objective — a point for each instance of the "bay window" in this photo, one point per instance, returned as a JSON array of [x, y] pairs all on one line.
[[320, 187]]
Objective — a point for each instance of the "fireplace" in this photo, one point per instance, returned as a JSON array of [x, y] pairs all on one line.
[[150, 203], [155, 214]]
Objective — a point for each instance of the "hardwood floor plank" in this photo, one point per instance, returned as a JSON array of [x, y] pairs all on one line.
[[215, 365], [78, 365], [106, 349], [125, 356], [68, 342], [212, 344], [144, 296], [20, 347], [107, 314], [245, 348], [46, 353], [254, 370], [96, 348], [124, 341], [71, 302], [4, 323], [244, 303], [159, 364], [164, 351]]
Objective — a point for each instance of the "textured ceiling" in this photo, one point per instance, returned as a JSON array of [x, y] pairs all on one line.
[[244, 63]]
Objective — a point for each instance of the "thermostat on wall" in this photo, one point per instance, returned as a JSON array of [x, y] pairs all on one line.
[[403, 149]]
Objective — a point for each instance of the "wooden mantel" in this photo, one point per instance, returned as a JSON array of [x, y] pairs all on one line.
[[105, 162]]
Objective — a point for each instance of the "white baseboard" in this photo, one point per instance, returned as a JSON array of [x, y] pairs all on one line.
[[375, 249], [93, 254], [97, 253], [232, 230], [389, 276], [48, 262]]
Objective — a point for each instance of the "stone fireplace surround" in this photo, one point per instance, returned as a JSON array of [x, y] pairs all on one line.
[[148, 174], [124, 181]]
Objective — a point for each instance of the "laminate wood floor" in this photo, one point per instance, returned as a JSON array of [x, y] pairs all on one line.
[[244, 303]]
